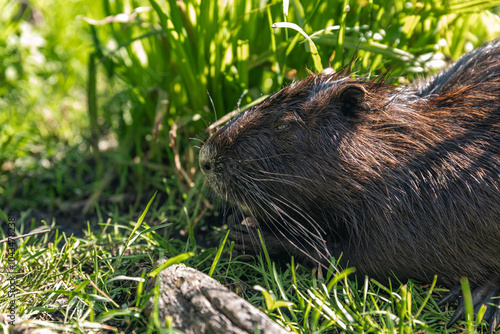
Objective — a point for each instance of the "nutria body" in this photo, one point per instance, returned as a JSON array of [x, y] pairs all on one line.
[[400, 181]]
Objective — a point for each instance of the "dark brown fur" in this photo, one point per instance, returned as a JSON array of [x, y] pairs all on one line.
[[397, 180]]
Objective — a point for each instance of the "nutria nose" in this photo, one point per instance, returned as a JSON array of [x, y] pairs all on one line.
[[206, 163], [206, 166]]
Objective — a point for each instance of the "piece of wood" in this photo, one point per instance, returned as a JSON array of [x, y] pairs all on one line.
[[199, 304]]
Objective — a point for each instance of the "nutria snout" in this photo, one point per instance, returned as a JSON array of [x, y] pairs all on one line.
[[400, 181]]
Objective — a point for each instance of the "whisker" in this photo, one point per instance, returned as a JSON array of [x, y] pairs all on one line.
[[300, 234], [280, 178], [241, 99], [265, 158], [213, 105], [198, 139]]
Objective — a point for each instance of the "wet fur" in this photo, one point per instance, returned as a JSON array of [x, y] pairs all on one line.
[[397, 180]]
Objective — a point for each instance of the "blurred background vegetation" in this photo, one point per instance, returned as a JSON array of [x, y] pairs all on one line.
[[103, 103]]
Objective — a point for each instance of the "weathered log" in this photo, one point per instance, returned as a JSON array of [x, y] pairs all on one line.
[[198, 304]]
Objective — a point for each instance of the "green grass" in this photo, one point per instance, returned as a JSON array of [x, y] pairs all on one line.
[[101, 106], [97, 282]]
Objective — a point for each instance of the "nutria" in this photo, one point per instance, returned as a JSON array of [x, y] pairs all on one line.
[[395, 181]]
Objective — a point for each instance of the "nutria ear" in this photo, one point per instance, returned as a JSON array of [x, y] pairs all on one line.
[[353, 104]]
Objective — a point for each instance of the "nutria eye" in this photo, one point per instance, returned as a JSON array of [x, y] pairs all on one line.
[[281, 126]]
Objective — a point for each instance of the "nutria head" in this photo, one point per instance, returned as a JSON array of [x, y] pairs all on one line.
[[291, 156]]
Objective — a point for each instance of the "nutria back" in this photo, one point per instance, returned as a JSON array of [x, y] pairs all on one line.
[[395, 180]]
